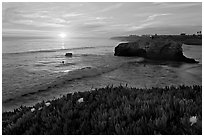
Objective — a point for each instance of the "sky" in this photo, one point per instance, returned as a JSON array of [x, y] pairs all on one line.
[[98, 19]]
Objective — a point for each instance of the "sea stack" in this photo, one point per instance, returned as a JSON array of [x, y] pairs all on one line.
[[154, 49], [68, 54]]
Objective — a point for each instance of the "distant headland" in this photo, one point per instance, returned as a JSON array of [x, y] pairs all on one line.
[[189, 39], [157, 47]]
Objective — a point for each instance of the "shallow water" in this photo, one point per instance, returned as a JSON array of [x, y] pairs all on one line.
[[31, 77]]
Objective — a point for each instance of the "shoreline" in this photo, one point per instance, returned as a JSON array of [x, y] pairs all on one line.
[[163, 75], [185, 39]]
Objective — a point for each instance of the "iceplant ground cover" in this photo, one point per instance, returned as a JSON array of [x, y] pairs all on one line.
[[113, 110]]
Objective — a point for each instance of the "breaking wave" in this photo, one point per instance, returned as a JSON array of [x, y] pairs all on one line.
[[85, 72], [51, 50]]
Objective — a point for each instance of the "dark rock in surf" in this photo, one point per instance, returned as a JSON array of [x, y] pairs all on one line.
[[68, 54], [155, 49]]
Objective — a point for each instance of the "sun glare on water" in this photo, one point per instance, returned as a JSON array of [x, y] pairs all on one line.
[[62, 35]]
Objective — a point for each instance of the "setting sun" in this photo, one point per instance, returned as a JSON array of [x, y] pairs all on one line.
[[62, 35]]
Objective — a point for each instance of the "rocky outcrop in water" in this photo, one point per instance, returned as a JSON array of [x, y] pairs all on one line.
[[68, 54], [155, 49]]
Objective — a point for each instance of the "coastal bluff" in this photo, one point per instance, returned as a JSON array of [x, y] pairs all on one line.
[[154, 49]]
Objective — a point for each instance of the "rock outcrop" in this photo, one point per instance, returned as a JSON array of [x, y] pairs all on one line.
[[68, 54], [155, 49]]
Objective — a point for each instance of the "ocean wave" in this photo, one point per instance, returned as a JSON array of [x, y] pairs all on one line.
[[85, 72], [50, 50], [59, 81], [55, 50], [65, 65]]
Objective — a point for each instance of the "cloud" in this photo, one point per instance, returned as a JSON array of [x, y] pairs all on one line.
[[87, 18], [168, 29], [25, 33], [47, 24], [34, 18], [33, 15], [24, 22], [37, 23], [115, 6], [92, 26], [72, 15], [152, 17], [142, 26], [177, 4], [102, 18]]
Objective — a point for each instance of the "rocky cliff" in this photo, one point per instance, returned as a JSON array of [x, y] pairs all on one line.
[[155, 49]]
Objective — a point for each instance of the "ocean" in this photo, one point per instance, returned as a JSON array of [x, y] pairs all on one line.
[[32, 69]]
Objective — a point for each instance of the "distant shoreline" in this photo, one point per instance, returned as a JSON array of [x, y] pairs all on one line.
[[185, 39]]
